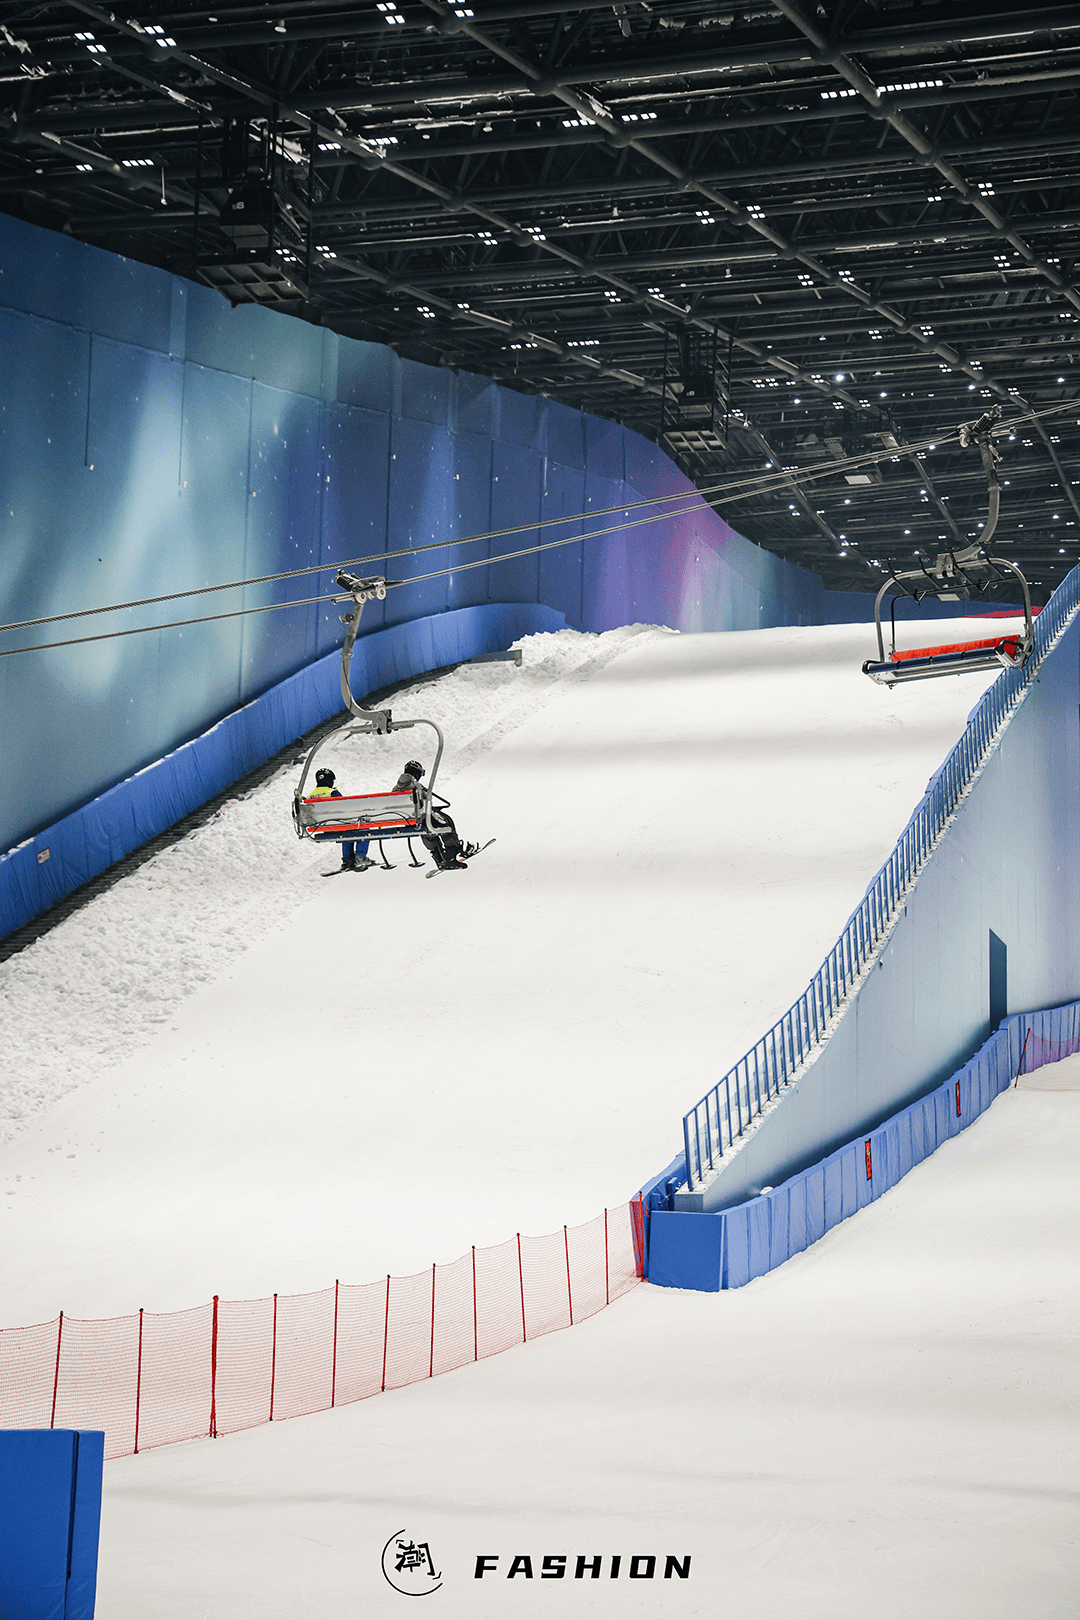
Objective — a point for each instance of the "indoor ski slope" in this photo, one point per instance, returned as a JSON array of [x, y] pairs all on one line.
[[227, 1075], [274, 1080]]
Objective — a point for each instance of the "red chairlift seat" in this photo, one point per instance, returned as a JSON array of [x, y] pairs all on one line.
[[1007, 646], [954, 658]]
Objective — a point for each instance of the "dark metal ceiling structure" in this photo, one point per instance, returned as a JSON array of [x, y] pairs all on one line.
[[766, 233]]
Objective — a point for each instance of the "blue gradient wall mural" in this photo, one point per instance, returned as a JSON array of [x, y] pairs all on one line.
[[154, 440]]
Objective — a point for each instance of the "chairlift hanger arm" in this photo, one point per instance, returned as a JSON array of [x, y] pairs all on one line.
[[951, 573], [377, 722]]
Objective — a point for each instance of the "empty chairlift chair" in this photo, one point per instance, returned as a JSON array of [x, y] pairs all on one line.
[[954, 576]]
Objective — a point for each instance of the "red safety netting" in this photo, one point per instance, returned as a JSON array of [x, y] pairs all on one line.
[[152, 1379], [1038, 1051]]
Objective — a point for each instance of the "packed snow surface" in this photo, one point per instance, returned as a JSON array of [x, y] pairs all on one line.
[[885, 1426], [226, 1075], [229, 1076]]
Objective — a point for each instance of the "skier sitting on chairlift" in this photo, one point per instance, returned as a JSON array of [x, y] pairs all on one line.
[[447, 850], [350, 859]]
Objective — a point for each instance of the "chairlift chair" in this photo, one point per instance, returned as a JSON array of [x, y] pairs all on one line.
[[951, 577], [375, 816]]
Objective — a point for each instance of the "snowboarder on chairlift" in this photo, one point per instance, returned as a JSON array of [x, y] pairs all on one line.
[[350, 860], [447, 850]]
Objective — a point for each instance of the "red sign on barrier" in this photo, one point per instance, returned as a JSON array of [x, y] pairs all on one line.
[[958, 1099], [869, 1160]]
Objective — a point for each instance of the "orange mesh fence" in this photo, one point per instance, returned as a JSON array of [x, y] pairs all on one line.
[[244, 1380], [361, 1336], [500, 1317], [98, 1376], [304, 1372], [175, 1382], [28, 1359], [153, 1379]]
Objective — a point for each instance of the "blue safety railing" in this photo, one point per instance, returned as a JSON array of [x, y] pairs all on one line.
[[724, 1113]]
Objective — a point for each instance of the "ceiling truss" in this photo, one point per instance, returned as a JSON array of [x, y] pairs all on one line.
[[761, 231]]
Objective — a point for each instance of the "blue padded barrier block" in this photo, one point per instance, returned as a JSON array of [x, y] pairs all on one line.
[[62, 857], [758, 1236], [50, 1512], [849, 1181], [86, 1525], [735, 1270], [815, 1203], [780, 1230], [833, 1189], [798, 1234], [686, 1251]]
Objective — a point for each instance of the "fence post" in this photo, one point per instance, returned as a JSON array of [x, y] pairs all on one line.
[[569, 1295], [333, 1364], [273, 1361], [607, 1267], [56, 1374], [431, 1359], [475, 1341], [138, 1384], [636, 1211], [386, 1332], [521, 1280], [213, 1372]]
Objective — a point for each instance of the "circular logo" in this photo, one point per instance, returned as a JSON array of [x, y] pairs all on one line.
[[408, 1566]]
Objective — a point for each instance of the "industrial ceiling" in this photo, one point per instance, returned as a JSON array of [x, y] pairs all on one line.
[[772, 236]]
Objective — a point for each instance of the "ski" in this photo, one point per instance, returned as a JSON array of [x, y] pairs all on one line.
[[339, 869], [460, 868]]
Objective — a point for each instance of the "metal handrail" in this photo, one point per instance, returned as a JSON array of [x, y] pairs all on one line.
[[726, 1110]]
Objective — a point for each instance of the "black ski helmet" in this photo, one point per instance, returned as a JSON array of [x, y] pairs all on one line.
[[413, 767], [324, 777]]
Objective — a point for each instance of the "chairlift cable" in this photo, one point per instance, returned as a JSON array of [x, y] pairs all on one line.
[[759, 485]]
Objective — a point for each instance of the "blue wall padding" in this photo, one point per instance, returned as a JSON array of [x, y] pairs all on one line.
[[50, 1514], [730, 1248], [90, 839]]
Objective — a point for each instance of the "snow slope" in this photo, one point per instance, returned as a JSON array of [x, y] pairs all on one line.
[[228, 1076], [884, 1426]]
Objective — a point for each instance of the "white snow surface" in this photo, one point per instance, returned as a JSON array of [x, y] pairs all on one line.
[[884, 1426], [228, 1076]]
